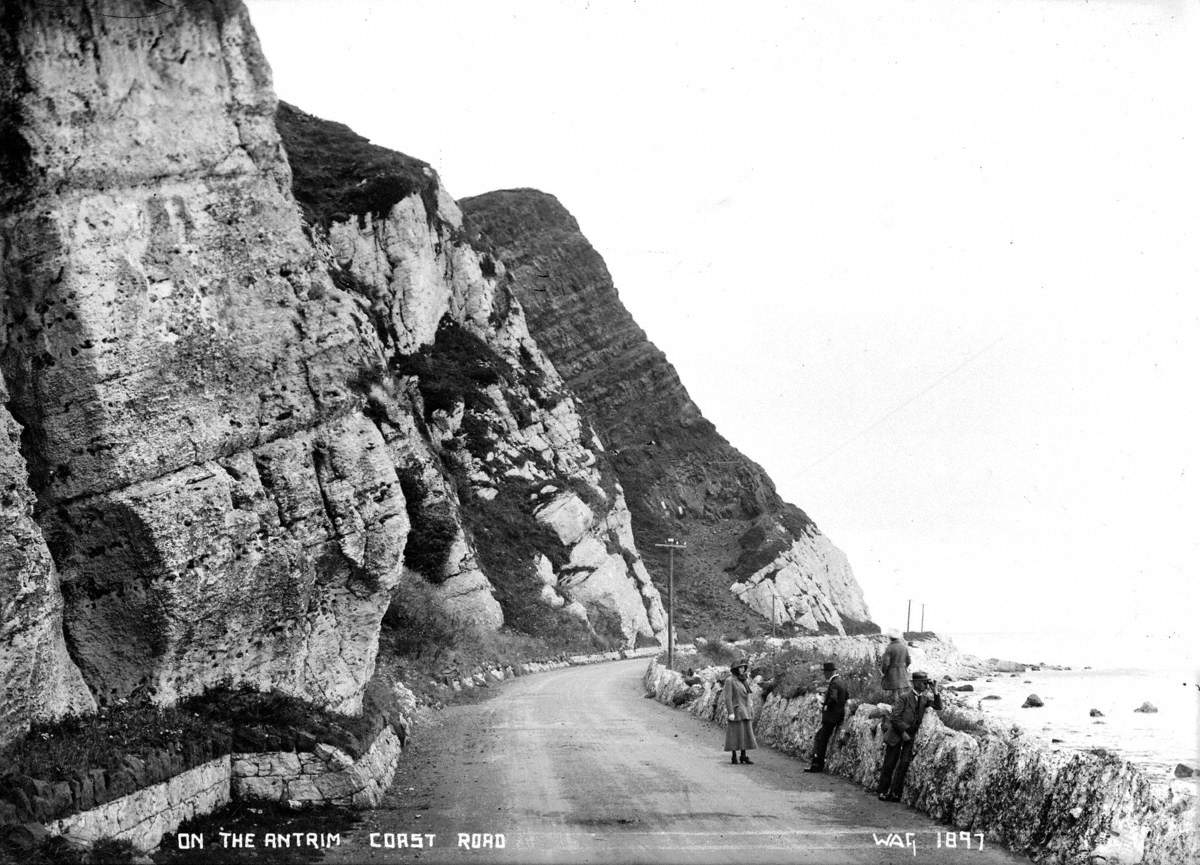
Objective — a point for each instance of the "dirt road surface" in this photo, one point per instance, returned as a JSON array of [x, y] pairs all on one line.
[[577, 766]]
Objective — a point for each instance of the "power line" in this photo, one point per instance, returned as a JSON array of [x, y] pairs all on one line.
[[894, 411]]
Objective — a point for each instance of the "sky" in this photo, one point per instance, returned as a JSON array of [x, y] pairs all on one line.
[[932, 264]]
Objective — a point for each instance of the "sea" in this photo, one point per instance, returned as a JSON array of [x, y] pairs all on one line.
[[1113, 672]]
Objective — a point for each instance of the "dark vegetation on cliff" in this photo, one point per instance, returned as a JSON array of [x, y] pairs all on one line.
[[681, 478], [337, 174], [78, 763], [459, 367]]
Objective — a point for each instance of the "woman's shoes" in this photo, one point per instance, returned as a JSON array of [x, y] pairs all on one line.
[[746, 761], [884, 797], [733, 759]]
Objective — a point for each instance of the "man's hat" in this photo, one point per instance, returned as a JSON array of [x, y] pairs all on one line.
[[829, 666], [920, 675], [740, 662]]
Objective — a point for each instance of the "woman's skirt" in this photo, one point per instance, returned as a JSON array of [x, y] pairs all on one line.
[[739, 736]]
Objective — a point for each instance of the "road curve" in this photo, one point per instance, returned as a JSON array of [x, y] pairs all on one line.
[[576, 766]]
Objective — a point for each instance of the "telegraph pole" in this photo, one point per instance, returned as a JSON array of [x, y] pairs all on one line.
[[908, 618], [671, 546], [922, 617]]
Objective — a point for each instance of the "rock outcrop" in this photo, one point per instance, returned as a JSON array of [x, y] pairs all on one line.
[[682, 479], [508, 488], [234, 424]]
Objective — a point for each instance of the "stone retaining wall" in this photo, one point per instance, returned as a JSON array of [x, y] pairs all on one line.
[[327, 776], [499, 674], [143, 817], [1061, 806]]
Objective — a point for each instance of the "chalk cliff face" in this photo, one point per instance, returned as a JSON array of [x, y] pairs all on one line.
[[682, 478], [229, 432]]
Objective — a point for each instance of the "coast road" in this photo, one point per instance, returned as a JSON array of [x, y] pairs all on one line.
[[576, 765]]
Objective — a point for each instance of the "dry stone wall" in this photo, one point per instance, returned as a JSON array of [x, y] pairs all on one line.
[[143, 817], [1057, 806], [326, 776]]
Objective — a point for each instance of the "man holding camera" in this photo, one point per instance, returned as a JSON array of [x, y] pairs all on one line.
[[903, 724]]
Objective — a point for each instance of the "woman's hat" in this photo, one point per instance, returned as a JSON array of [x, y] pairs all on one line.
[[829, 666]]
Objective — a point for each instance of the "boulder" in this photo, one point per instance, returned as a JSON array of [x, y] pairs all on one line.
[[1182, 771], [1033, 701], [1095, 713], [1147, 708]]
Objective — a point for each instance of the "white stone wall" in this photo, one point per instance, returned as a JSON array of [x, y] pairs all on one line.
[[1057, 806], [327, 776], [143, 817]]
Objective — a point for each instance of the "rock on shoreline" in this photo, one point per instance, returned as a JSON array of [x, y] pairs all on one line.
[[1056, 805]]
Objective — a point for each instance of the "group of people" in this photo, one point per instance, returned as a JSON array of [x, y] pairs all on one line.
[[910, 696]]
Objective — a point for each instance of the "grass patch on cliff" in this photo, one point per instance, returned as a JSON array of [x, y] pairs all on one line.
[[456, 367], [336, 173], [508, 538]]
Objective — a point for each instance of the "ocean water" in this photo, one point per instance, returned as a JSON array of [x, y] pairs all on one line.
[[1124, 674]]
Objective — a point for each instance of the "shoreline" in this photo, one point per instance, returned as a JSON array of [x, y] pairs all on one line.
[[1056, 806], [973, 683]]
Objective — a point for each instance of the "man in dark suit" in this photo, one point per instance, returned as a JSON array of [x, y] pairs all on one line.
[[833, 712], [903, 724]]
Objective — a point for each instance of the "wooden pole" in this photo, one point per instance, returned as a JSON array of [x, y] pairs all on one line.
[[671, 608], [671, 547], [922, 618], [908, 619]]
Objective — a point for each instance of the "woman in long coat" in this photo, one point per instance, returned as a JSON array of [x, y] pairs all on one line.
[[739, 734]]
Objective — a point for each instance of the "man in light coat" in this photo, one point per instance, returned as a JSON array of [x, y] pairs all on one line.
[[894, 665]]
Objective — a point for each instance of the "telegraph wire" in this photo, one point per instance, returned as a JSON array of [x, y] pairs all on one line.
[[896, 410]]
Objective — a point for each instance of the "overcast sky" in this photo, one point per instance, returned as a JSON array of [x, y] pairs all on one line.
[[933, 264]]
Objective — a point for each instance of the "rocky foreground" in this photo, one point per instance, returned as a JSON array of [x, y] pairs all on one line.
[[1055, 806]]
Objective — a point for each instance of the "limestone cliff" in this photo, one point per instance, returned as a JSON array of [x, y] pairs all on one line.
[[682, 478], [235, 428]]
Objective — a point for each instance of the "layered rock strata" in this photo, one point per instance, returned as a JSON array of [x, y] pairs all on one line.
[[1057, 806], [234, 425], [682, 478]]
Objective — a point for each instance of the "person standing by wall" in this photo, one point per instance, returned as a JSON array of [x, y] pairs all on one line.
[[739, 733], [904, 722], [894, 665], [833, 712]]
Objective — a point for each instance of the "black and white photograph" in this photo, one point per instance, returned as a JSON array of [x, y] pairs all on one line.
[[599, 431]]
